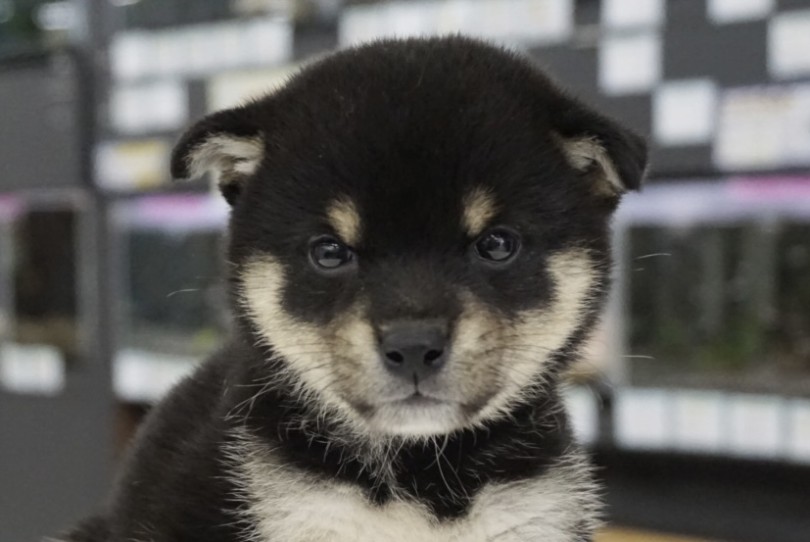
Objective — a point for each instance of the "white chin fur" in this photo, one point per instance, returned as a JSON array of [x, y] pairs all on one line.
[[416, 421]]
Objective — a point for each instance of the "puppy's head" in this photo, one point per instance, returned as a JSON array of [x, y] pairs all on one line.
[[419, 228]]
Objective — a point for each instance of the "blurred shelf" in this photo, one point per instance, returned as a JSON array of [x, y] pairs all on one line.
[[617, 534], [725, 498]]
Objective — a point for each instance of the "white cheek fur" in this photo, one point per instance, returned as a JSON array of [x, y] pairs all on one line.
[[547, 329]]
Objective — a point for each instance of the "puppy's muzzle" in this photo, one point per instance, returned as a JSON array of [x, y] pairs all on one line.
[[414, 350]]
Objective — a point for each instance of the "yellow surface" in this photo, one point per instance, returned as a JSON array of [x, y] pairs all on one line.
[[615, 534]]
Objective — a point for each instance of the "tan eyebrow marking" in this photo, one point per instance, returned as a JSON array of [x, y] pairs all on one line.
[[345, 220], [479, 208]]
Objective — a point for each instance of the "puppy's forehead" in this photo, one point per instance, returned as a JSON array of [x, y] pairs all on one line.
[[465, 212]]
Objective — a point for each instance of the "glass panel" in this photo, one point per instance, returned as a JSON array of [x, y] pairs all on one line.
[[174, 291], [39, 320], [789, 339], [173, 307], [720, 306]]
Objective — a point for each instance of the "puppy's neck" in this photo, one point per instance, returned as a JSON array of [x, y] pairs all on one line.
[[443, 472]]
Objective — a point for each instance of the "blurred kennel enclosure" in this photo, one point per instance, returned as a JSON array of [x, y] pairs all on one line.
[[695, 393]]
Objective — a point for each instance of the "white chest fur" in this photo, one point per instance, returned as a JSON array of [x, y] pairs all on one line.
[[290, 507]]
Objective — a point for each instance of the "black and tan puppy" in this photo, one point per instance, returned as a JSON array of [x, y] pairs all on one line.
[[418, 246]]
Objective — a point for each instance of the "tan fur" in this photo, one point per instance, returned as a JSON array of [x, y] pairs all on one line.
[[479, 208], [586, 152], [345, 220], [492, 363], [539, 332], [316, 355], [229, 158], [291, 505]]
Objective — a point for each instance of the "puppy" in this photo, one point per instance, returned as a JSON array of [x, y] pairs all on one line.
[[418, 247]]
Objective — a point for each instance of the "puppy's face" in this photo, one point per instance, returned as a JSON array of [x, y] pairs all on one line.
[[419, 228]]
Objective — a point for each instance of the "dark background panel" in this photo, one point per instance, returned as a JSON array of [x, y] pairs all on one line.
[[732, 54], [40, 124]]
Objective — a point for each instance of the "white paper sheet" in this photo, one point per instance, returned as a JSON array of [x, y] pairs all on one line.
[[765, 127], [799, 431]]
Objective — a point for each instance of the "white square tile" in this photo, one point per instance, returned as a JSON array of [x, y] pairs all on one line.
[[789, 44], [630, 63], [733, 11], [684, 112], [625, 14]]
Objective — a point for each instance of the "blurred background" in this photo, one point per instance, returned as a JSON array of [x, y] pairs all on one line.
[[695, 394]]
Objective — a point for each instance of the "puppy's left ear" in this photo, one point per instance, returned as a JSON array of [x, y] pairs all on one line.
[[227, 144], [614, 157]]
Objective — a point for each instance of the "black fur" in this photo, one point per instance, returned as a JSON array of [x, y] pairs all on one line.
[[402, 128]]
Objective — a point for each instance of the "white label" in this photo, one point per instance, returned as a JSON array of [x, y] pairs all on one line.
[[699, 420], [763, 128], [509, 21], [643, 418], [201, 49], [733, 11], [755, 425], [684, 112], [157, 106], [145, 377], [623, 14], [128, 165], [629, 63], [583, 410], [31, 368], [799, 430], [232, 89], [789, 44]]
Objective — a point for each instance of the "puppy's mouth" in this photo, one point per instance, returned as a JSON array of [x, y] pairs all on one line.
[[418, 400], [415, 399], [418, 414]]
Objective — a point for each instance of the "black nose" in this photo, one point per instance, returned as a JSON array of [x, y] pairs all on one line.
[[414, 349]]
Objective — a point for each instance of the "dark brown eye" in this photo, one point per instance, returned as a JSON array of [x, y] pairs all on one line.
[[329, 254], [498, 245]]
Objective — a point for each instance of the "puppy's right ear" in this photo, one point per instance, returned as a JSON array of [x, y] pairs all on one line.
[[227, 144], [612, 156]]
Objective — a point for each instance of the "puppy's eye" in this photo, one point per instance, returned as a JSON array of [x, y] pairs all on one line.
[[498, 245], [329, 254]]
